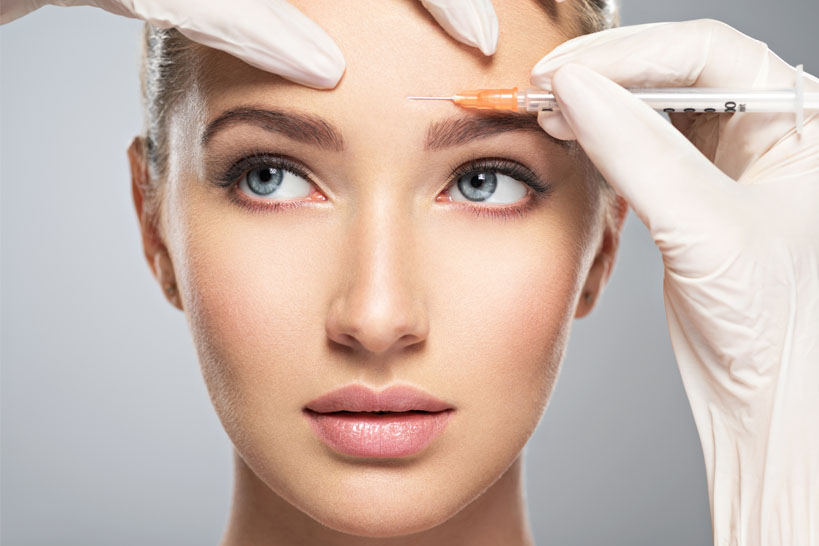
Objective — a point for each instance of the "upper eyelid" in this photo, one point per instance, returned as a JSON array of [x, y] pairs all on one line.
[[242, 166], [488, 163], [510, 167]]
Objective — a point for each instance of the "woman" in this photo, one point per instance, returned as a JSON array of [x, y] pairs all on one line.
[[326, 239], [699, 343], [417, 246]]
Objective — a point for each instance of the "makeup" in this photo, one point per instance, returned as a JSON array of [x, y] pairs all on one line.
[[397, 422], [363, 434]]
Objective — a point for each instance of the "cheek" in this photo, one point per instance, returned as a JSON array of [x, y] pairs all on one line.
[[503, 302], [254, 302]]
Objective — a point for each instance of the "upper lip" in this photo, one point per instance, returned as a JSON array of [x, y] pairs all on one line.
[[360, 398]]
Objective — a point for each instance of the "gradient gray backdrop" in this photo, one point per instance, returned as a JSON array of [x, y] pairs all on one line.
[[108, 435]]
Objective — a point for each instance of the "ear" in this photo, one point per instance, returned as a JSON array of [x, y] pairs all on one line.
[[156, 253], [604, 259]]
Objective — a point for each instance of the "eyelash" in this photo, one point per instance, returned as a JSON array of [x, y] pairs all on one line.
[[540, 190], [510, 168], [231, 178]]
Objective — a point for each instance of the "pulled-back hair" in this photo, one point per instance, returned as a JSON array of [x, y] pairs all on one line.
[[170, 65]]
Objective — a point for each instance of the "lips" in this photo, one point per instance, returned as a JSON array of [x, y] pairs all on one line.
[[358, 398], [396, 422]]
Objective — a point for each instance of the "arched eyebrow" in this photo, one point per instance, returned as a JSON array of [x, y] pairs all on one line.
[[314, 130], [298, 126], [461, 129]]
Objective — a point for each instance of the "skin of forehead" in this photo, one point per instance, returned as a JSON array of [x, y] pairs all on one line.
[[393, 50]]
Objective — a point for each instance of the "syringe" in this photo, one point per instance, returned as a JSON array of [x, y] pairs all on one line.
[[667, 99]]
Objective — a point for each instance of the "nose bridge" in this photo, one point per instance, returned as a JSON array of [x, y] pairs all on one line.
[[377, 307]]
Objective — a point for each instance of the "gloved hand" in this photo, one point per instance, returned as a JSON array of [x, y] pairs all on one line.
[[272, 34], [732, 202]]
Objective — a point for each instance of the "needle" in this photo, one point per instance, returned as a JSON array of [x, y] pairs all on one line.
[[671, 99]]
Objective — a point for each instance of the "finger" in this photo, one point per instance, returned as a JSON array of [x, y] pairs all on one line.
[[269, 34], [702, 52], [472, 22], [664, 178], [556, 125]]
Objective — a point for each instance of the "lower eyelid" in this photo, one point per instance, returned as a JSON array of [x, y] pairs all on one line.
[[517, 210], [315, 196], [530, 194], [506, 211]]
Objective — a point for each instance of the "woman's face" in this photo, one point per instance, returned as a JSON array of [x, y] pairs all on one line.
[[375, 276]]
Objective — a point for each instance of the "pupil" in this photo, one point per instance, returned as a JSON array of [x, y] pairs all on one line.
[[477, 180], [265, 175]]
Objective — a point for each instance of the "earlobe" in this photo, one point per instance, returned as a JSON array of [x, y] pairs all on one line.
[[585, 304], [594, 283], [156, 253], [603, 263], [166, 277], [596, 277]]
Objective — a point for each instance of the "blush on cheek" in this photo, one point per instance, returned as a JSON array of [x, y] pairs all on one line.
[[506, 293], [534, 312], [248, 296], [503, 314]]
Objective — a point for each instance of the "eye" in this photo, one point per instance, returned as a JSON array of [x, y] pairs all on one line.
[[274, 181], [494, 180], [487, 186]]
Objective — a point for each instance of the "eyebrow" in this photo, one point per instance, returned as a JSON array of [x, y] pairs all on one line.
[[298, 126], [314, 130], [461, 129]]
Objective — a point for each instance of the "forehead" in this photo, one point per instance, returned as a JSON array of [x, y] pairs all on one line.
[[394, 48]]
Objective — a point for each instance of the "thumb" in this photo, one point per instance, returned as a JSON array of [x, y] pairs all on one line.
[[667, 181]]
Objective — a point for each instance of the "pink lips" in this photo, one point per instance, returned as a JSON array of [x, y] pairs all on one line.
[[344, 420]]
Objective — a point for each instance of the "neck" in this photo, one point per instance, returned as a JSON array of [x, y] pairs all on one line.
[[259, 517]]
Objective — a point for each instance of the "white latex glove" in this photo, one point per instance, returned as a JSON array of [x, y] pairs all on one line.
[[272, 34], [732, 202]]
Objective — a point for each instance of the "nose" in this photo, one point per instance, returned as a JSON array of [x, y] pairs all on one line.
[[377, 307]]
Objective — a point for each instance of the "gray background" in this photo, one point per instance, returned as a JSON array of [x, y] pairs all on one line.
[[108, 435]]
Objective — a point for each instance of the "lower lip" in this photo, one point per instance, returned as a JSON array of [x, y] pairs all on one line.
[[378, 435]]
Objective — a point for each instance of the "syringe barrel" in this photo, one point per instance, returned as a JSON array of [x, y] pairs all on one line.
[[692, 99], [535, 100]]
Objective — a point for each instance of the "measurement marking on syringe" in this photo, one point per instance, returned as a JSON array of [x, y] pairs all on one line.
[[683, 99]]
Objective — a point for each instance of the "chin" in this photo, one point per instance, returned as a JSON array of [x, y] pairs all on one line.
[[401, 510], [378, 521]]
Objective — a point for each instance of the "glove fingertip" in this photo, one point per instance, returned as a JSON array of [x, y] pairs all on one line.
[[318, 78], [472, 22], [556, 125], [489, 30]]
